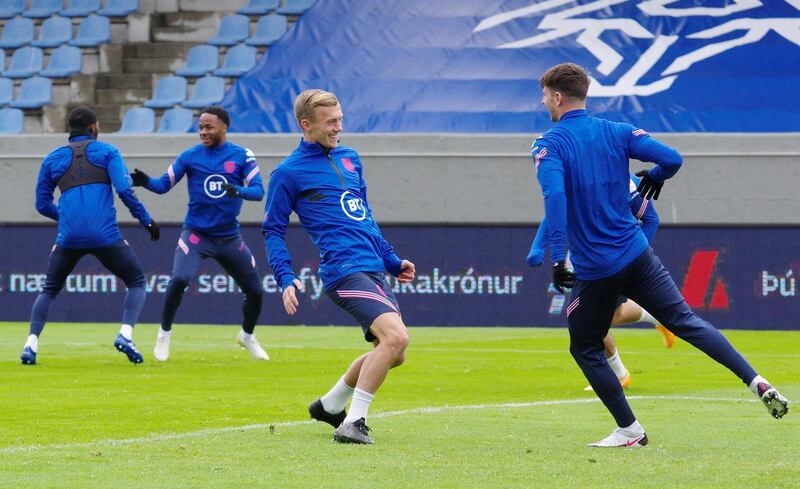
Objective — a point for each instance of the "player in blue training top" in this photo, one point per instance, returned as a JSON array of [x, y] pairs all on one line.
[[220, 175], [323, 183], [582, 167], [627, 311], [84, 171]]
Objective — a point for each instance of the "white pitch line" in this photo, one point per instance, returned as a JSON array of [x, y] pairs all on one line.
[[386, 414]]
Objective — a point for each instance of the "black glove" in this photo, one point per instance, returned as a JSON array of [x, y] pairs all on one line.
[[139, 178], [230, 190], [648, 188], [154, 230], [562, 277]]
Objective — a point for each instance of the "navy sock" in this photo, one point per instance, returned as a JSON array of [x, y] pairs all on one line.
[[41, 308], [134, 302], [251, 309], [172, 301]]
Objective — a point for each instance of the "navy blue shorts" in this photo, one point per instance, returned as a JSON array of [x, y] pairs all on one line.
[[365, 295], [118, 258]]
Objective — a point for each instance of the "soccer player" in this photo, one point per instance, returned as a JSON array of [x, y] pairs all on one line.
[[84, 172], [323, 183], [627, 311], [582, 166], [220, 176]]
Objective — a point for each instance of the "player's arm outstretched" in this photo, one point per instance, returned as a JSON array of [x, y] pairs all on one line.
[[280, 203], [118, 174], [175, 171], [45, 186]]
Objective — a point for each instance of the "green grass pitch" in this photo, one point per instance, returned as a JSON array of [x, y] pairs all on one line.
[[472, 408]]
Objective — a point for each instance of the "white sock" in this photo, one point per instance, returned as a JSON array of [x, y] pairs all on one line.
[[245, 336], [635, 429], [647, 318], [162, 333], [33, 342], [615, 362], [127, 331], [359, 406], [754, 384], [335, 399]]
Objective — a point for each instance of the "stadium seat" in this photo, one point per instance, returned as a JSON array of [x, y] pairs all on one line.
[[138, 120], [11, 8], [119, 8], [34, 93], [12, 121], [239, 60], [295, 7], [201, 60], [232, 30], [259, 7], [42, 9], [269, 29], [6, 91], [25, 62], [18, 32], [54, 32], [64, 61], [176, 120], [81, 8], [93, 31], [208, 90], [170, 90]]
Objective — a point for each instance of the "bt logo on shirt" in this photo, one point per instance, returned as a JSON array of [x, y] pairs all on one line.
[[353, 206], [213, 186]]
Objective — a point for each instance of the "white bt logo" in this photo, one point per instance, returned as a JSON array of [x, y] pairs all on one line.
[[353, 206], [213, 186]]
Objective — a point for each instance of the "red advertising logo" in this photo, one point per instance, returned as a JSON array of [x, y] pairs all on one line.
[[701, 279]]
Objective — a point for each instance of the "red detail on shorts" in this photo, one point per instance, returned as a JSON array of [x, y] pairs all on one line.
[[194, 239]]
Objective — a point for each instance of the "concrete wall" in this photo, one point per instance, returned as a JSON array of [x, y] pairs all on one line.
[[740, 179]]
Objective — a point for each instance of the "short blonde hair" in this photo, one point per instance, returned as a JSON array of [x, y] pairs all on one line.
[[306, 102]]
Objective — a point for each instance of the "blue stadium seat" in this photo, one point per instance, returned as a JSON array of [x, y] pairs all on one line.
[[138, 120], [259, 7], [208, 90], [42, 9], [269, 29], [93, 31], [170, 90], [239, 60], [295, 7], [34, 93], [64, 61], [201, 59], [12, 121], [18, 32], [232, 30], [55, 31], [81, 8], [176, 120], [11, 8], [25, 62], [6, 91], [119, 8]]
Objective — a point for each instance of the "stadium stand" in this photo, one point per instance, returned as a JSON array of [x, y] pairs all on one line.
[[54, 32], [238, 60], [64, 61], [12, 121], [41, 9], [17, 32], [176, 120], [34, 93], [6, 91], [138, 120], [170, 91], [11, 8], [201, 60], [81, 8], [295, 7], [232, 30], [25, 62], [93, 31], [259, 7], [269, 29], [208, 90], [119, 8]]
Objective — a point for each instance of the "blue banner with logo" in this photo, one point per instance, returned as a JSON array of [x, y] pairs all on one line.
[[473, 65], [742, 278]]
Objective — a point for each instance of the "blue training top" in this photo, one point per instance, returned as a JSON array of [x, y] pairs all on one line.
[[582, 166], [327, 191], [85, 214], [211, 211]]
